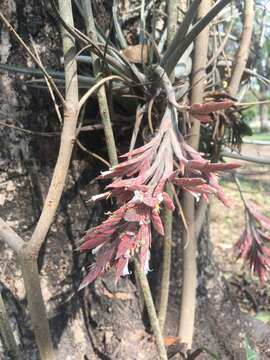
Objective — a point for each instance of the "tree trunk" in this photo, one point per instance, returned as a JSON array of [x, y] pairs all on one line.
[[104, 321]]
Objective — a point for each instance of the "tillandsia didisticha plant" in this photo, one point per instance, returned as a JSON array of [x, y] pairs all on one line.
[[139, 183], [253, 245]]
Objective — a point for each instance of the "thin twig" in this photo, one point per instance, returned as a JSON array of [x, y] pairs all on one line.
[[151, 310], [102, 97], [180, 209], [253, 103], [97, 87], [44, 71], [239, 188], [94, 155], [139, 116], [49, 86], [222, 45], [166, 263]]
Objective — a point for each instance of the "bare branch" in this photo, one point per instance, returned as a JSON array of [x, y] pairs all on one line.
[[10, 237], [242, 54], [102, 97], [96, 87], [150, 309], [67, 138]]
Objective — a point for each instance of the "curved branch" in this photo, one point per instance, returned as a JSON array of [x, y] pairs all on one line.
[[68, 136]]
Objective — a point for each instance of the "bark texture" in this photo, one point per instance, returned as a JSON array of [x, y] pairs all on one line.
[[103, 321]]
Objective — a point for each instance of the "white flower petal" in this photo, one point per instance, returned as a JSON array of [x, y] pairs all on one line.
[[125, 270]]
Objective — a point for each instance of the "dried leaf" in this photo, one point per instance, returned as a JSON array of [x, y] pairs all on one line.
[[136, 53]]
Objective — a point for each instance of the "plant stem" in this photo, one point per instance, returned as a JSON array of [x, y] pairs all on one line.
[[102, 97], [33, 57], [7, 333], [68, 135], [14, 241], [32, 286], [168, 215], [36, 307], [188, 300], [151, 310], [243, 51], [166, 263]]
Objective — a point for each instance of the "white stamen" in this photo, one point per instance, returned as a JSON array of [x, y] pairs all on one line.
[[99, 196], [107, 172], [96, 249]]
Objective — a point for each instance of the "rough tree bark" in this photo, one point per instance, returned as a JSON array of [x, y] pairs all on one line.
[[103, 321]]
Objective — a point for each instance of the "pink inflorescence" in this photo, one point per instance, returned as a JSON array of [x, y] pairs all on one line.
[[253, 245], [138, 186]]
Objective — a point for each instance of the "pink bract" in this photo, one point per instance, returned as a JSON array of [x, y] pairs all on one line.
[[253, 245], [138, 185]]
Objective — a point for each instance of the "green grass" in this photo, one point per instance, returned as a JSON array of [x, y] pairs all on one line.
[[260, 137]]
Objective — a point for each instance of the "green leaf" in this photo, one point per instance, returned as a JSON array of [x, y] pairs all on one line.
[[250, 353], [263, 316]]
